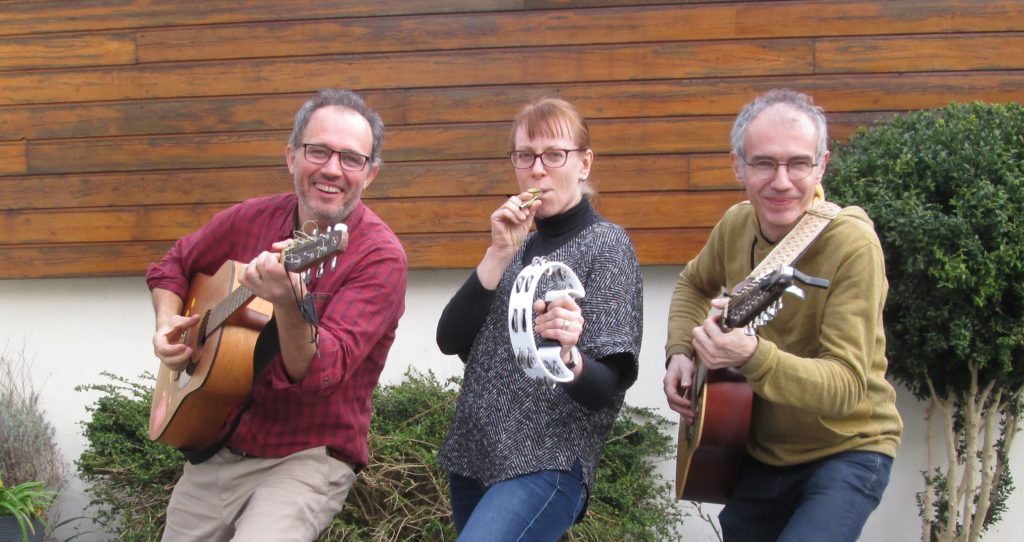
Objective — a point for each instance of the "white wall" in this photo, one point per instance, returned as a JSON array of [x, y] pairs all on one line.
[[73, 329]]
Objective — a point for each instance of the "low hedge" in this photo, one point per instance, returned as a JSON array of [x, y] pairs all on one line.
[[401, 495]]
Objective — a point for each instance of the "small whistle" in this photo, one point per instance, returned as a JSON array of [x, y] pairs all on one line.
[[535, 192]]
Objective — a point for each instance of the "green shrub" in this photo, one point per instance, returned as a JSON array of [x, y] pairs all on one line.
[[28, 451], [130, 477], [32, 470], [945, 189], [401, 495]]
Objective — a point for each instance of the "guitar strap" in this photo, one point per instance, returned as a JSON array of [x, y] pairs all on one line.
[[267, 344], [799, 239], [786, 252]]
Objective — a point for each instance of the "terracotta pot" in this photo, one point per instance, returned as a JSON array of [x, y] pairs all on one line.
[[11, 532]]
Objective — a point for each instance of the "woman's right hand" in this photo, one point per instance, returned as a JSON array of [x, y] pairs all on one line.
[[511, 222], [510, 225]]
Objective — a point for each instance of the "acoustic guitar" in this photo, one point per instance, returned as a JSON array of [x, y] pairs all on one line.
[[712, 449], [190, 407]]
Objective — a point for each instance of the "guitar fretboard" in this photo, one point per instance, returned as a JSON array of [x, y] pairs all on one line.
[[234, 301]]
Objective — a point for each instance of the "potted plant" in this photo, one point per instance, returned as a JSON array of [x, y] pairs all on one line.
[[22, 510]]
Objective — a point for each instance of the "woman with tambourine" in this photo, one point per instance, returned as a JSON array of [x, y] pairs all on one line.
[[522, 450]]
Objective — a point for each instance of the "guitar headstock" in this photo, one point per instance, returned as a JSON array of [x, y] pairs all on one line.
[[756, 301], [306, 252]]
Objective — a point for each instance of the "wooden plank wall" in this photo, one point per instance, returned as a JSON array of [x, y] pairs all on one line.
[[125, 124]]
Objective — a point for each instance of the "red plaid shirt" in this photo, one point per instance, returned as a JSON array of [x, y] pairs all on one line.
[[358, 304]]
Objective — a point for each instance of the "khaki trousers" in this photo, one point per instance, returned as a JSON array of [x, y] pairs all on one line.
[[236, 498]]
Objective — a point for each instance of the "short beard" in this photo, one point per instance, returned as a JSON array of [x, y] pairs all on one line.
[[332, 218]]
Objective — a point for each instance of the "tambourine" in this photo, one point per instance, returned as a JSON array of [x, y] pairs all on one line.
[[541, 362]]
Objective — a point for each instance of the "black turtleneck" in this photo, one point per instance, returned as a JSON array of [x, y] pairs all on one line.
[[555, 231], [465, 313]]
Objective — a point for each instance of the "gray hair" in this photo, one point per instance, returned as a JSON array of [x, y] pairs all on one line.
[[341, 98], [792, 98]]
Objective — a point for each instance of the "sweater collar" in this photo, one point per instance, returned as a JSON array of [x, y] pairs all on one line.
[[568, 222]]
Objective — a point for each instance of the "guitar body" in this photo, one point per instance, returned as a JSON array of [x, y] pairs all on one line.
[[190, 407], [712, 450]]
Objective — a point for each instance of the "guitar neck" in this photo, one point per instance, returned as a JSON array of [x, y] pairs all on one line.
[[229, 306], [296, 258]]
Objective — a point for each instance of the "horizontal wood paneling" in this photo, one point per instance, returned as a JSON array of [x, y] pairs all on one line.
[[791, 57], [399, 180], [624, 99], [12, 158], [407, 143], [126, 124], [79, 259], [404, 215], [39, 16], [77, 50], [425, 251], [398, 70], [931, 53], [611, 25]]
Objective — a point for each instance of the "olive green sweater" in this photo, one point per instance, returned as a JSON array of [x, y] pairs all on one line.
[[818, 372]]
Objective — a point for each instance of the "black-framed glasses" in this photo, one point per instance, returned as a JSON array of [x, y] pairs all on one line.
[[319, 154], [797, 169], [550, 158]]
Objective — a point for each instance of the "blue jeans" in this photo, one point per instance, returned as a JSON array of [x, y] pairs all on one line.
[[535, 507], [829, 499]]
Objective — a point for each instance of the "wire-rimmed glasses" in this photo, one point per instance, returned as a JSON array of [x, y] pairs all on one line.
[[797, 168]]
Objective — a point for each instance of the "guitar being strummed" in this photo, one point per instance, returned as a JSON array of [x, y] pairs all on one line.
[[223, 321], [712, 444], [267, 364], [823, 427]]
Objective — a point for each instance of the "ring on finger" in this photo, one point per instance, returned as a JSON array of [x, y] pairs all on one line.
[[565, 325]]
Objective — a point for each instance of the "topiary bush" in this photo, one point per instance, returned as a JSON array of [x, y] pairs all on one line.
[[945, 189], [401, 495]]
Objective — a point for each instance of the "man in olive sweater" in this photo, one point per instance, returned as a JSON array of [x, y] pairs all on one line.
[[824, 425]]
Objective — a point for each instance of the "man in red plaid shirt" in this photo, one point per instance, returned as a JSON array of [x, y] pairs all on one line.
[[287, 460]]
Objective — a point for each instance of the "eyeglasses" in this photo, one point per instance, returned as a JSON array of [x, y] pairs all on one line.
[[765, 168], [318, 154], [550, 158]]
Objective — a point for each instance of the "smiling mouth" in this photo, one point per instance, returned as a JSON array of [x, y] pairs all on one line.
[[327, 188]]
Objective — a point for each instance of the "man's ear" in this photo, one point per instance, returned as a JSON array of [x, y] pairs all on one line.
[[289, 158], [737, 167], [822, 163], [371, 175]]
